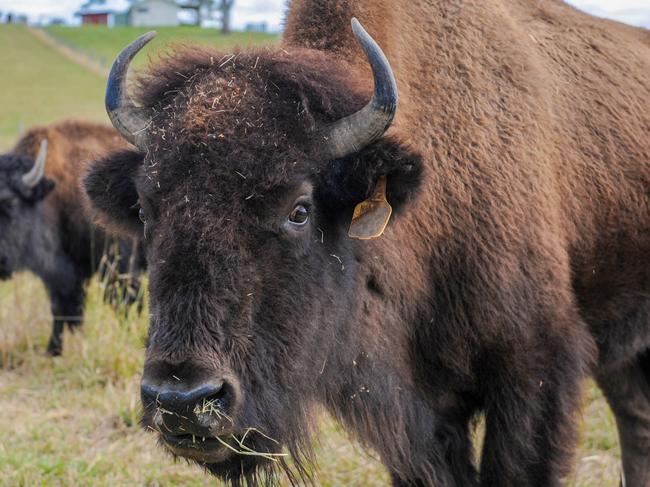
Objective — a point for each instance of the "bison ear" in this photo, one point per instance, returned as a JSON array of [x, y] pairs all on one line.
[[38, 192], [353, 179], [111, 191]]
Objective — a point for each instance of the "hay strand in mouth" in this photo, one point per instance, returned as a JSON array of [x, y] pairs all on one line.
[[209, 408], [247, 451], [255, 430]]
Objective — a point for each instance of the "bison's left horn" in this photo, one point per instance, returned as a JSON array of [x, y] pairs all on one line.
[[356, 131], [130, 120], [35, 174]]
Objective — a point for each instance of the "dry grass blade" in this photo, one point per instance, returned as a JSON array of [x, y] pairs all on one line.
[[245, 450]]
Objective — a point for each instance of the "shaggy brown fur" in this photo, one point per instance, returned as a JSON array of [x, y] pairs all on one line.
[[72, 145], [48, 229], [519, 163]]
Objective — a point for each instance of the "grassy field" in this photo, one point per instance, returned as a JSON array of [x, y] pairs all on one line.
[[39, 86], [103, 44], [72, 420]]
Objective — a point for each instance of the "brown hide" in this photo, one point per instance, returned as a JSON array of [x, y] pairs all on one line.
[[534, 121], [72, 146]]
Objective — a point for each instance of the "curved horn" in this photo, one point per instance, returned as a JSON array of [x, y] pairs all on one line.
[[129, 120], [356, 131], [35, 174]]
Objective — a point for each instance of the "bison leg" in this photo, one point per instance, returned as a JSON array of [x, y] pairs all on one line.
[[67, 307], [627, 390], [531, 409], [130, 265], [450, 462], [55, 345]]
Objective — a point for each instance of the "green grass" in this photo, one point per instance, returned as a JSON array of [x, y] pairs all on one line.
[[103, 44], [39, 85], [72, 420]]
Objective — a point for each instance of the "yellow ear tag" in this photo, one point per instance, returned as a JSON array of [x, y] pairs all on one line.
[[370, 217]]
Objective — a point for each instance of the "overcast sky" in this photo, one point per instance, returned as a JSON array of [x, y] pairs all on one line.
[[631, 11]]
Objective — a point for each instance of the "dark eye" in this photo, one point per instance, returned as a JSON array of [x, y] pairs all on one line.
[[299, 215], [142, 216]]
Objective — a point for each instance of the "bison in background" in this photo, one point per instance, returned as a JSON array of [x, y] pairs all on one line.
[[44, 224], [516, 265]]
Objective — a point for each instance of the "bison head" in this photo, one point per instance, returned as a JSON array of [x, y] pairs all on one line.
[[22, 188], [248, 170]]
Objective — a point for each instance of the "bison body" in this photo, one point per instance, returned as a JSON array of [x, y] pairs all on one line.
[[515, 265], [45, 226]]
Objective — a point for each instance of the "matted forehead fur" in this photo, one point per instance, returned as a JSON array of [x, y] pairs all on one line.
[[248, 118]]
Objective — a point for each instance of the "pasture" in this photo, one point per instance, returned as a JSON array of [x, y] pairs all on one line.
[[104, 44], [73, 420]]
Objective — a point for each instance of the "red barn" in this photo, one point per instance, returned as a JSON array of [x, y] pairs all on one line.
[[95, 18], [105, 12]]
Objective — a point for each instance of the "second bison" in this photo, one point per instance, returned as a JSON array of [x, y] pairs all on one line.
[[44, 226]]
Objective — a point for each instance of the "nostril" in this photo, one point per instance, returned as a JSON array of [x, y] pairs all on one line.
[[148, 395], [215, 401], [191, 399]]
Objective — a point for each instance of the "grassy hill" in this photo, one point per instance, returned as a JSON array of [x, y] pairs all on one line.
[[72, 420], [103, 44], [38, 85]]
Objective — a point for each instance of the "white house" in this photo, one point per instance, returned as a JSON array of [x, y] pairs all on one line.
[[154, 13]]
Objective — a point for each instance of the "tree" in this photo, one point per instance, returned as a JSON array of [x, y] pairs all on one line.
[[206, 9], [225, 6]]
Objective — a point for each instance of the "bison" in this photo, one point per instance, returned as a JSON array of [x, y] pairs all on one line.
[[44, 226], [515, 264]]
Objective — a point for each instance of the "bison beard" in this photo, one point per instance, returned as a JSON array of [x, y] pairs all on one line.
[[518, 250]]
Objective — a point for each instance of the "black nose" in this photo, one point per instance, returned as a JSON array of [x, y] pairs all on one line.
[[201, 410], [180, 400]]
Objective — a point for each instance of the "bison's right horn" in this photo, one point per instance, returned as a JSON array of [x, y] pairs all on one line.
[[356, 131], [35, 174], [130, 120]]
